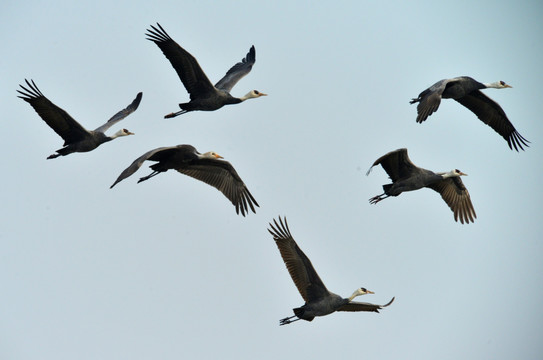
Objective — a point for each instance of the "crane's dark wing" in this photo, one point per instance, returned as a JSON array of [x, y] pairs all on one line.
[[222, 175], [191, 74], [138, 162], [121, 114], [298, 265], [57, 119], [491, 113], [237, 71], [363, 306], [396, 164], [430, 99], [455, 194]]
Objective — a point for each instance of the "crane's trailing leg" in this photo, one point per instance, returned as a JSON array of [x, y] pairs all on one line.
[[149, 176], [172, 115], [52, 156], [287, 320], [376, 199]]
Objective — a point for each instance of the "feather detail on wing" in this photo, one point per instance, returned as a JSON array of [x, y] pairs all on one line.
[[298, 265], [189, 71], [456, 195], [492, 114], [57, 119], [363, 306], [121, 114], [222, 175], [237, 72]]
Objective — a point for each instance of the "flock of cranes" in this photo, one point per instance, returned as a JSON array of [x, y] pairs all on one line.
[[210, 167]]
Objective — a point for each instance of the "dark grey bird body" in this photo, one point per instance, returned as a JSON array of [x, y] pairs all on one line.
[[422, 178], [318, 300], [76, 137], [406, 176], [205, 167], [204, 95], [466, 91]]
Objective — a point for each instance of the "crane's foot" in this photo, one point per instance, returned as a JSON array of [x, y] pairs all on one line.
[[376, 199], [287, 320]]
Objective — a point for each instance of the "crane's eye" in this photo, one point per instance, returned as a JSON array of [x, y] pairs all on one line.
[[256, 92], [364, 289], [456, 170], [502, 83]]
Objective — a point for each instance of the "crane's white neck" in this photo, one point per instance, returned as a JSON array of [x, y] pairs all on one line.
[[252, 95], [122, 132], [358, 292], [497, 85], [452, 173]]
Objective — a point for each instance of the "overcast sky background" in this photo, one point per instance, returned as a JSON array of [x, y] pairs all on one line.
[[165, 269]]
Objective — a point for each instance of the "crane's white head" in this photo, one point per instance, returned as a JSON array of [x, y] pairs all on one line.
[[252, 95], [360, 291], [211, 155], [122, 132], [498, 85]]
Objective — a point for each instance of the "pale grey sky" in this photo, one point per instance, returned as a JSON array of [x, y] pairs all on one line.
[[166, 269]]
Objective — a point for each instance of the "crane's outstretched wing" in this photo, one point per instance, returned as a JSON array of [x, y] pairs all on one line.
[[221, 175], [430, 99], [363, 306], [138, 162], [298, 265], [57, 119], [121, 114], [191, 74], [456, 195], [492, 114], [237, 72], [396, 164]]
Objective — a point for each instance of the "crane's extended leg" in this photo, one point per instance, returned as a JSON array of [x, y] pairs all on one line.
[[376, 199], [287, 320], [172, 115], [149, 176]]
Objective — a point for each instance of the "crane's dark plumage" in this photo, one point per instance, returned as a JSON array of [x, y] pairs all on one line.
[[467, 92], [318, 300], [203, 95], [76, 137], [406, 176], [205, 167]]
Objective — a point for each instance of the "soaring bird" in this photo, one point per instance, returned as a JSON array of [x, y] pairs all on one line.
[[406, 176], [465, 90], [318, 300], [76, 137], [205, 167], [203, 95]]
